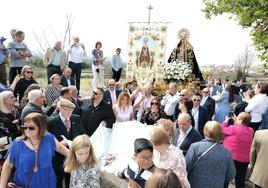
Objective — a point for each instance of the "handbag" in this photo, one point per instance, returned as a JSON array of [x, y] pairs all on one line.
[[202, 155]]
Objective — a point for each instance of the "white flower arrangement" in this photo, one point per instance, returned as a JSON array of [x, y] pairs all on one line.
[[178, 71]]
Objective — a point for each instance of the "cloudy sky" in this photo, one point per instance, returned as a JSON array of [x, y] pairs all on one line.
[[216, 41]]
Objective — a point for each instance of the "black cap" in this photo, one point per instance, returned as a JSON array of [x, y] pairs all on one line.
[[141, 144]]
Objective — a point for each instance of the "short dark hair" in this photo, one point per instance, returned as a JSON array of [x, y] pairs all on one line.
[[197, 94], [97, 44], [117, 49], [64, 91], [142, 144], [18, 33], [101, 90]]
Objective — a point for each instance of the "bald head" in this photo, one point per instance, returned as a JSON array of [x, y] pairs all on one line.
[[111, 84]]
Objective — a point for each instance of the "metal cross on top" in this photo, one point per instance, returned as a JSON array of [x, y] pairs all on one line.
[[149, 8]]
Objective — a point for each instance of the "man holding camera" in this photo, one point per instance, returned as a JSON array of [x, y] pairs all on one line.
[[76, 54]]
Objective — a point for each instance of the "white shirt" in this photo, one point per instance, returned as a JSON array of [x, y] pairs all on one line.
[[183, 136], [195, 114], [203, 101], [170, 103], [257, 106], [146, 103], [113, 97], [117, 62], [76, 54]]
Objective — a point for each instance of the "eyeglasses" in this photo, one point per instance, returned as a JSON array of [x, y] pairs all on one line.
[[111, 84], [147, 158], [29, 72], [30, 128], [152, 103], [181, 95], [205, 91], [198, 100]]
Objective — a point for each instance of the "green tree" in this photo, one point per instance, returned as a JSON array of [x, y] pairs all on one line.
[[249, 13]]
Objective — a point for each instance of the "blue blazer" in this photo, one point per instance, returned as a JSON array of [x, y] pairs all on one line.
[[192, 136], [203, 117], [107, 96]]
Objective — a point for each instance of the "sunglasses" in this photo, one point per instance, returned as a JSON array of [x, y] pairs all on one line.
[[111, 84], [30, 128], [198, 100], [29, 72], [95, 93], [156, 103], [181, 95], [205, 91]]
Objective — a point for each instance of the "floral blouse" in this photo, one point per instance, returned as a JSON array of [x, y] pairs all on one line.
[[173, 159], [85, 177]]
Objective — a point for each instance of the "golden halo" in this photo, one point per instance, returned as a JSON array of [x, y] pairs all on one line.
[[184, 34]]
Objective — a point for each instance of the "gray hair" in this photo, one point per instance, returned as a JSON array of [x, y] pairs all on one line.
[[184, 116], [34, 95]]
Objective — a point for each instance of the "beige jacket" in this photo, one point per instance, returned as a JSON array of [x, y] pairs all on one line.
[[258, 158], [48, 58]]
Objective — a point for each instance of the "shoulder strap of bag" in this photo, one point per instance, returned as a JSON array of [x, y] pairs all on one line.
[[204, 153]]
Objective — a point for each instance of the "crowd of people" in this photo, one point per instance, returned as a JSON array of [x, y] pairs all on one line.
[[201, 140]]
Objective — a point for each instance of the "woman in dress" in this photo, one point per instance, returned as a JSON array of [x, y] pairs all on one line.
[[209, 164], [222, 108], [123, 110], [151, 115], [168, 156], [31, 155], [26, 80], [53, 90]]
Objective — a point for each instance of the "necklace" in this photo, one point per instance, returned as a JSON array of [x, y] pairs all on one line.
[[35, 147]]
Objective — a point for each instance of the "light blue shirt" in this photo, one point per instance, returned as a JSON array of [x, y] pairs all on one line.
[[56, 58]]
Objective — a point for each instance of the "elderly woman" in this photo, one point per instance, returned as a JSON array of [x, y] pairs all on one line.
[[53, 90], [209, 164], [257, 105], [123, 110], [31, 155], [151, 115], [168, 126], [238, 139], [26, 80], [9, 116], [168, 156]]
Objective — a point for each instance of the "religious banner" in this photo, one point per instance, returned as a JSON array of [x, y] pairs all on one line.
[[146, 52]]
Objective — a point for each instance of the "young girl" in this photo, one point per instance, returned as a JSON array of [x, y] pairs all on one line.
[[82, 164]]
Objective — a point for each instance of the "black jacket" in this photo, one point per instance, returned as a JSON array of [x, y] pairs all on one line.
[[92, 116]]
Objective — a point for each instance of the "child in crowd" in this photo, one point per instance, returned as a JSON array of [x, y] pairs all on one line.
[[82, 164]]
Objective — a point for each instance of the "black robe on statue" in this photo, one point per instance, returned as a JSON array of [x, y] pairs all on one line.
[[186, 55]]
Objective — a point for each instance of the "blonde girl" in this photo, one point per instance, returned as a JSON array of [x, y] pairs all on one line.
[[82, 164]]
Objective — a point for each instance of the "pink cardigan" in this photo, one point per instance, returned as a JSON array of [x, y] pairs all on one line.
[[238, 139]]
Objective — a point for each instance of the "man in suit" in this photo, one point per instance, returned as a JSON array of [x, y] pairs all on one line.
[[199, 113], [96, 112], [111, 95], [65, 127], [67, 79], [208, 102], [258, 160], [185, 134]]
